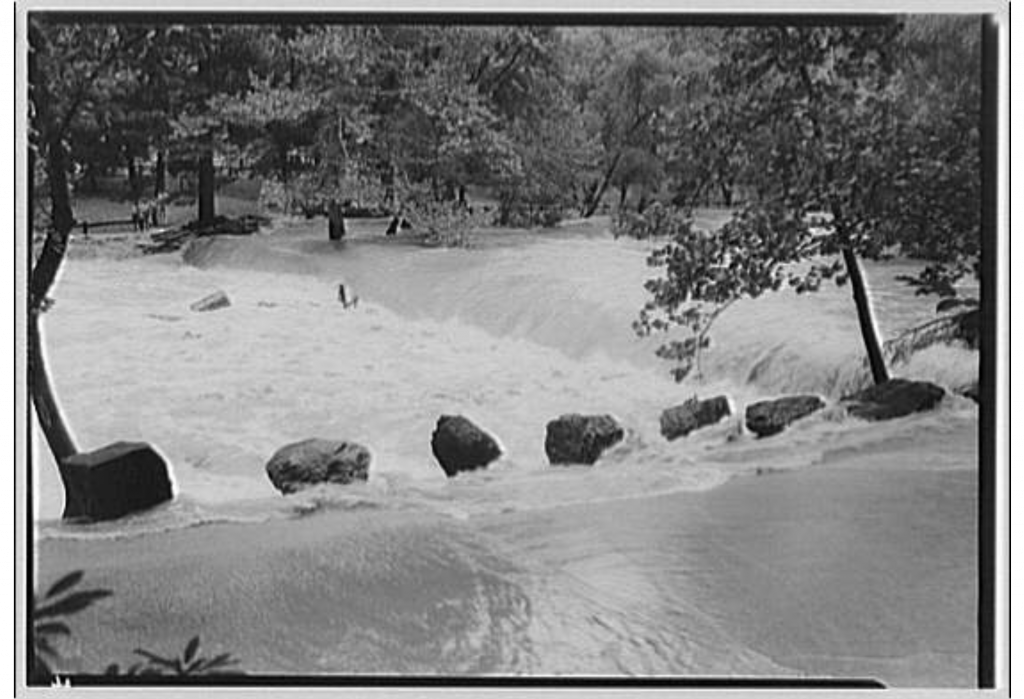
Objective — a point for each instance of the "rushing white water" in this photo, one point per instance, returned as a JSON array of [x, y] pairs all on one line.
[[512, 332], [521, 568], [579, 290]]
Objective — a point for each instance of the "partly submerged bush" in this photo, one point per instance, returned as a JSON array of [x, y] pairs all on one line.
[[657, 220], [443, 223]]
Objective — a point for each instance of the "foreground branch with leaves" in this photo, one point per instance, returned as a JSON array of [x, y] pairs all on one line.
[[62, 600]]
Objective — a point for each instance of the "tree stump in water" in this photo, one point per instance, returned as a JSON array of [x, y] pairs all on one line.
[[335, 221]]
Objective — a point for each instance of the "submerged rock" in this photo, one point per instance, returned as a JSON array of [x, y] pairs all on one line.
[[681, 420], [312, 461], [892, 399], [459, 445], [114, 481], [580, 439], [216, 300], [769, 417]]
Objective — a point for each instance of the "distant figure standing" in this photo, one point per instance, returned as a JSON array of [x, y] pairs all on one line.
[[343, 296], [136, 217]]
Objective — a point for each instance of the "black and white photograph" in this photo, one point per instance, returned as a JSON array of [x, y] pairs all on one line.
[[511, 350]]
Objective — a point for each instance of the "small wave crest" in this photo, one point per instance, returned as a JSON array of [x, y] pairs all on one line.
[[248, 253], [183, 512]]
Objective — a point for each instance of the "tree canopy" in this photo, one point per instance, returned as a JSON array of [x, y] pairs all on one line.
[[856, 141]]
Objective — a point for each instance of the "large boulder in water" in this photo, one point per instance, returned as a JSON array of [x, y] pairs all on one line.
[[312, 461], [459, 445], [114, 481], [892, 399], [769, 417], [681, 420], [580, 439]]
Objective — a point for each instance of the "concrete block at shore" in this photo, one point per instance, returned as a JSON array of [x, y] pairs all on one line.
[[114, 481]]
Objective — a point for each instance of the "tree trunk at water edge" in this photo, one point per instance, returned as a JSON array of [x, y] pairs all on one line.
[[206, 186], [335, 221], [594, 201], [865, 317], [52, 423], [41, 280]]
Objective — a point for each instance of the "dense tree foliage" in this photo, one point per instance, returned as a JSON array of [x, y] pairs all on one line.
[[857, 141]]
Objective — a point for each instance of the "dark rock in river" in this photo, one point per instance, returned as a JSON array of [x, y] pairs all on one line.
[[970, 391], [769, 417], [307, 463], [969, 328], [681, 420], [459, 445], [216, 300], [580, 439], [114, 481], [892, 399]]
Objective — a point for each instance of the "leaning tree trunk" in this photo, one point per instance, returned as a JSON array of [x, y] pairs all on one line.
[[41, 280], [51, 421], [597, 194], [876, 360]]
